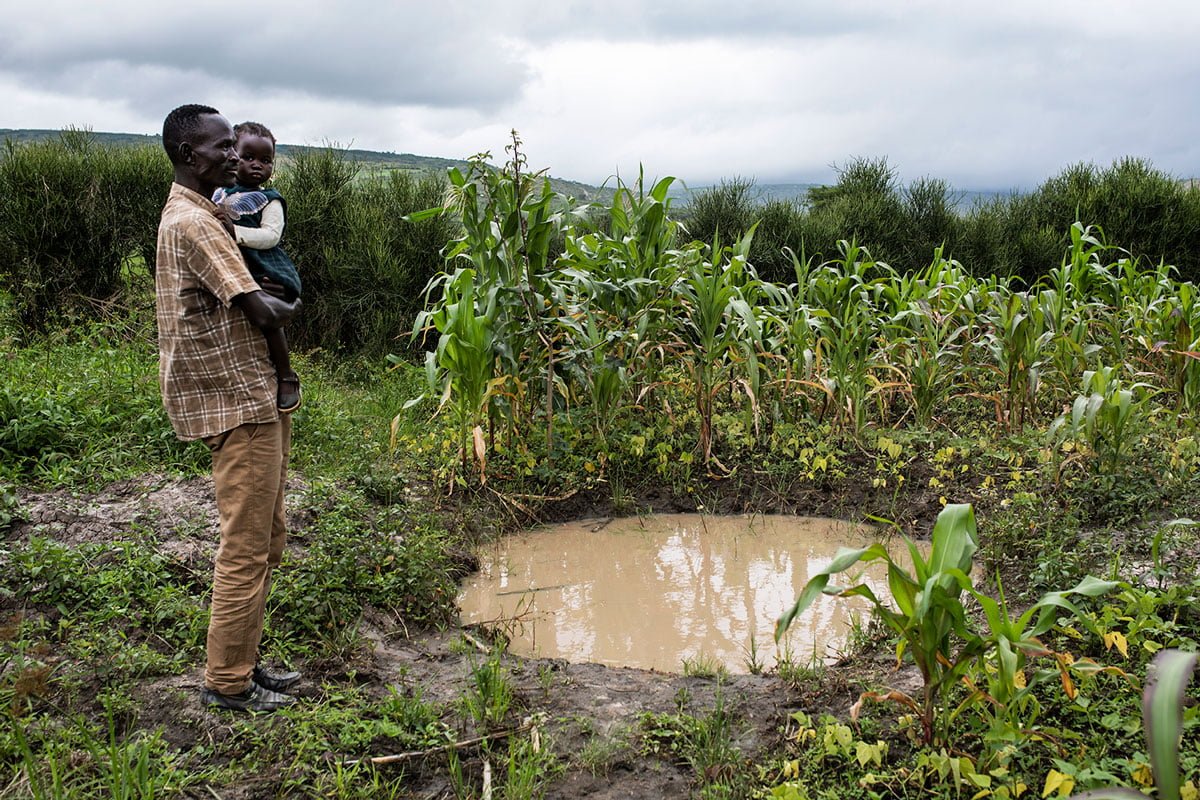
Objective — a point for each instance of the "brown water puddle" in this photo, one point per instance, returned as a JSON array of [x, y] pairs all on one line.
[[655, 591]]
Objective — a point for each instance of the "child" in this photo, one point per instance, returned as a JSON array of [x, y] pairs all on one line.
[[258, 236]]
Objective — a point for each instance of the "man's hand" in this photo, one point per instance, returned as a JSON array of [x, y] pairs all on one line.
[[274, 289], [265, 311], [226, 223]]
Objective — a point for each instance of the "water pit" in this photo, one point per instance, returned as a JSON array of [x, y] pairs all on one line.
[[652, 592]]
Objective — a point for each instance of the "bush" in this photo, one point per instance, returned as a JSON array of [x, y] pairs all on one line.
[[864, 206], [726, 210], [930, 221], [363, 265], [74, 217]]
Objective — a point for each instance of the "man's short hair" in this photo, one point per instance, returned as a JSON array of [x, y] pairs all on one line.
[[180, 125], [254, 129]]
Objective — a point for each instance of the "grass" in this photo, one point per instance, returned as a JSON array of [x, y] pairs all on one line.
[[84, 625], [703, 742]]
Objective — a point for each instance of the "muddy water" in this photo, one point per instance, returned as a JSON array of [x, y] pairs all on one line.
[[655, 591]]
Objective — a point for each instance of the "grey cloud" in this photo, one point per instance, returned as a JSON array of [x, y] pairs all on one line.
[[622, 20], [374, 53]]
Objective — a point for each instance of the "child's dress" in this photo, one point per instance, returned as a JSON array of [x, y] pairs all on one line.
[[258, 236]]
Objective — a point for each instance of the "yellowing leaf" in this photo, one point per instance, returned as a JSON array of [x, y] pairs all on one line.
[[1189, 791], [480, 445], [1058, 782], [1116, 639], [1142, 775], [1019, 679], [870, 753]]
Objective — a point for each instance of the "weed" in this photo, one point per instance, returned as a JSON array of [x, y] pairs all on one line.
[[490, 692], [704, 743], [601, 752], [705, 666]]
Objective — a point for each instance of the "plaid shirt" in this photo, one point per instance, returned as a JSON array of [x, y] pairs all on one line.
[[213, 369]]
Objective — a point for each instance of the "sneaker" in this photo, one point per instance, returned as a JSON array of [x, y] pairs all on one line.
[[275, 681], [288, 396], [256, 698]]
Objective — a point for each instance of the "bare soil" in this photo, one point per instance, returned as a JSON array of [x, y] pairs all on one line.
[[577, 705]]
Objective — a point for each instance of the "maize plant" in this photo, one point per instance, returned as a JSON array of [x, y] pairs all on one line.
[[1105, 415], [713, 315], [626, 315]]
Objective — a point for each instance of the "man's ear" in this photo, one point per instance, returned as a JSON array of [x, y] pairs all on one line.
[[185, 153]]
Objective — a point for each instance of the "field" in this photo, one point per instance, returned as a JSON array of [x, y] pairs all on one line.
[[571, 361]]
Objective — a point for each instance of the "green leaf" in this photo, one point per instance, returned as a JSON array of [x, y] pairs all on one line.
[[844, 559], [1162, 710], [424, 214], [954, 539]]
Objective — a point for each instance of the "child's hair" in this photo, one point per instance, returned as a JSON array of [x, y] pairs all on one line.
[[254, 129], [181, 124]]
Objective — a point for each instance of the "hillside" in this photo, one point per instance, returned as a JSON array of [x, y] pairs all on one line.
[[376, 160], [369, 159]]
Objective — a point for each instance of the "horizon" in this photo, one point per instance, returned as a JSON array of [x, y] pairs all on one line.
[[762, 185]]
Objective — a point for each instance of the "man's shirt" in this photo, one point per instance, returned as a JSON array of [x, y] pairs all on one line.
[[214, 369]]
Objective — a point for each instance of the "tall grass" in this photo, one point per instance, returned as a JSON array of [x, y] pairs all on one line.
[[77, 224], [363, 264], [1152, 215], [79, 220]]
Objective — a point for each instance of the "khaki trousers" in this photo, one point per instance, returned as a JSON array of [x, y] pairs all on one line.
[[249, 471]]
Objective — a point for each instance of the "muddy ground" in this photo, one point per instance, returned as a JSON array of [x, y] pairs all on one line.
[[573, 704]]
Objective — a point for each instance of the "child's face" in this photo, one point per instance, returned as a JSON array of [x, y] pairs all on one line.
[[256, 159]]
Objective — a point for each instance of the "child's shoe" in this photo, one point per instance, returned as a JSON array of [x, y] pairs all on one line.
[[288, 397]]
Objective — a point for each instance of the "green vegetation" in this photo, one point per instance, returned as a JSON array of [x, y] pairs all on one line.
[[76, 221], [1153, 215], [620, 364]]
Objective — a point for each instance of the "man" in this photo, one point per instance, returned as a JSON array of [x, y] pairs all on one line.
[[218, 385]]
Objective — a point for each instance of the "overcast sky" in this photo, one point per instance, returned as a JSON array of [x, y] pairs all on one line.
[[987, 95]]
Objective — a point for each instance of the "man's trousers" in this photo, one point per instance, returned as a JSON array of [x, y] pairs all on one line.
[[249, 471]]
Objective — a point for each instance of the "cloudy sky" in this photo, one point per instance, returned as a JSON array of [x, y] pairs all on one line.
[[988, 95]]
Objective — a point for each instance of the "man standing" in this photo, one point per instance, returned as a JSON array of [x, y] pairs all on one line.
[[218, 385]]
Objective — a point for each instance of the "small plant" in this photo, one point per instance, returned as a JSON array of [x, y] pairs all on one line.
[[1105, 416], [490, 693], [1162, 718], [704, 743], [529, 767], [10, 506], [600, 752], [705, 666], [753, 659], [931, 623]]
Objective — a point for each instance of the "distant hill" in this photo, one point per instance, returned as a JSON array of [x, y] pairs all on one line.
[[369, 159], [386, 160], [762, 192]]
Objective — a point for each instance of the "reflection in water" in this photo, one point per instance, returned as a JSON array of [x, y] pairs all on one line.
[[654, 591]]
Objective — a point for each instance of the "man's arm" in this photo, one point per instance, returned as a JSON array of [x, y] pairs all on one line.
[[266, 312]]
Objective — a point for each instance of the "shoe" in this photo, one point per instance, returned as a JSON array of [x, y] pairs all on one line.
[[288, 397], [256, 698], [275, 681]]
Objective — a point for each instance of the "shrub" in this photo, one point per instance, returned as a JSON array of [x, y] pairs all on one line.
[[930, 221], [726, 210], [74, 217], [362, 263], [864, 206]]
